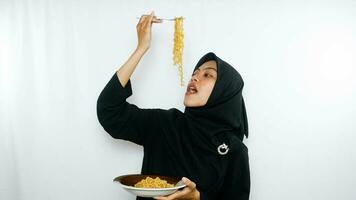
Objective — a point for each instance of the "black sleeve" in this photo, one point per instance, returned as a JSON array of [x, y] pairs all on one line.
[[123, 120], [237, 180]]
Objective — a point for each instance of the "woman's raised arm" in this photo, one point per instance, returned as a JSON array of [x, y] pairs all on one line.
[[144, 39], [123, 120]]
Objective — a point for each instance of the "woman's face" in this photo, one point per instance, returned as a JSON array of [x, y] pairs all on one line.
[[201, 84]]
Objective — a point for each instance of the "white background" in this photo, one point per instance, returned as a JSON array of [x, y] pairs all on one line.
[[297, 60]]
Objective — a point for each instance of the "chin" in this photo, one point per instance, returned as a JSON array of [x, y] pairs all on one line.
[[191, 104], [188, 104]]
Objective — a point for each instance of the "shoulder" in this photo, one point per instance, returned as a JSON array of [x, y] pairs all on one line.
[[167, 115], [174, 114], [171, 112], [175, 111]]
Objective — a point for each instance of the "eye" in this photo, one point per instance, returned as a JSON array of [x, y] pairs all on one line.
[[208, 75]]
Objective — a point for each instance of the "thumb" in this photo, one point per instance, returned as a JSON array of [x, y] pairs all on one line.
[[188, 183]]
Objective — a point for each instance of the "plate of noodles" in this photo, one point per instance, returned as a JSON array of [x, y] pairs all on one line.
[[149, 185]]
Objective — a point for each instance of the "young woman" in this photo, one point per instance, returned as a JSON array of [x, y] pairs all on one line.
[[203, 144]]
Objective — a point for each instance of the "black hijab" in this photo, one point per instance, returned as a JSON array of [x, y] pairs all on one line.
[[224, 114], [212, 133]]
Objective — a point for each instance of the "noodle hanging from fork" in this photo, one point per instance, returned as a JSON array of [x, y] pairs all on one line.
[[178, 47]]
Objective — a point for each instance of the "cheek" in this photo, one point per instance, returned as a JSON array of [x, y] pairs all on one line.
[[206, 91]]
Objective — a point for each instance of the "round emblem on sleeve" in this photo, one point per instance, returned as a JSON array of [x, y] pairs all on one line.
[[223, 149]]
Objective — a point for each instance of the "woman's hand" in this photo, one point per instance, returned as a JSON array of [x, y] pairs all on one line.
[[188, 193], [144, 30]]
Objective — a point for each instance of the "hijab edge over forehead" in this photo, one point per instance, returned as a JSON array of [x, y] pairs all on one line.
[[207, 57]]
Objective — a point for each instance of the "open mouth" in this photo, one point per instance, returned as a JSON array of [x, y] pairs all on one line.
[[191, 90]]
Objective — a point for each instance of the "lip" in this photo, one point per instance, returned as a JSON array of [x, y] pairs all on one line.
[[190, 85], [187, 93]]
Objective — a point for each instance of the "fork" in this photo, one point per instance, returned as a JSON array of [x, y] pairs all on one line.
[[162, 18]]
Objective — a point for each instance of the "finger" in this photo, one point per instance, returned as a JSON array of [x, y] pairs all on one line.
[[155, 20], [160, 198], [141, 22], [178, 194], [188, 183], [152, 15], [148, 19], [141, 19]]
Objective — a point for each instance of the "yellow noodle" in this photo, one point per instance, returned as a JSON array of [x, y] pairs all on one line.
[[178, 47], [149, 182]]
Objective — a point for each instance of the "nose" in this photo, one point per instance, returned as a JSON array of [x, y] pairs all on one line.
[[194, 77]]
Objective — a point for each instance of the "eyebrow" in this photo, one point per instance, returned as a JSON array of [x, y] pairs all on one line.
[[206, 68]]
